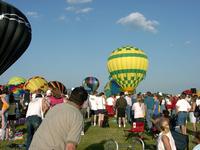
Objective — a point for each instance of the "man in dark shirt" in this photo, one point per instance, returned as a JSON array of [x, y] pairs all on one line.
[[121, 109]]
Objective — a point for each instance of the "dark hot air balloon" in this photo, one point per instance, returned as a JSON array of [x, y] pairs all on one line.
[[91, 84], [15, 35]]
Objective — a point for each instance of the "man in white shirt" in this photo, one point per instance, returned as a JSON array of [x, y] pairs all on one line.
[[93, 108], [33, 116], [182, 109]]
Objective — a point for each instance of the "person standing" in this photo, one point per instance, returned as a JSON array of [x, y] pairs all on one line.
[[182, 109], [156, 108], [149, 102], [4, 96], [110, 103], [139, 110], [12, 115], [33, 117], [93, 108], [128, 107], [101, 108], [121, 109], [62, 126], [192, 118]]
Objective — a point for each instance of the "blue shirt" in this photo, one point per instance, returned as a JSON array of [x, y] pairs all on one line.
[[149, 102]]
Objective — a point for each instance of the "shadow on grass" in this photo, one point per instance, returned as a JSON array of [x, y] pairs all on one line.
[[150, 147], [190, 132], [96, 146], [87, 125]]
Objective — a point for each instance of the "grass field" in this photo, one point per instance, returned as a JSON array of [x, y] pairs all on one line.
[[96, 137]]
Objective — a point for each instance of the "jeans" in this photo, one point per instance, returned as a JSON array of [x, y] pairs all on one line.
[[128, 113], [32, 122], [4, 124], [148, 118]]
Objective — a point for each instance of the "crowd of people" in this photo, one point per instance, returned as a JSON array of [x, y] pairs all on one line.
[[48, 130]]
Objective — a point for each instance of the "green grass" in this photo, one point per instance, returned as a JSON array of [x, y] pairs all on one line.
[[95, 138]]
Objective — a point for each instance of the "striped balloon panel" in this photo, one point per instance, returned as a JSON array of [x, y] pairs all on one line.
[[36, 83], [58, 85]]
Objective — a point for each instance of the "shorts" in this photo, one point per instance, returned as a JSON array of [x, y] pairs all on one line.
[[101, 111], [93, 112], [182, 117], [121, 112], [192, 118], [5, 106]]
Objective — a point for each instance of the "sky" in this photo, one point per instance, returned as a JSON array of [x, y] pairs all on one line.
[[72, 39]]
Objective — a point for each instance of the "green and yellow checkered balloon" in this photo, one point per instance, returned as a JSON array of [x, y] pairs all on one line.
[[128, 66]]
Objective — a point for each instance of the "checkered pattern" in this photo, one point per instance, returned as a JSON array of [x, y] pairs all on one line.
[[129, 82], [126, 48]]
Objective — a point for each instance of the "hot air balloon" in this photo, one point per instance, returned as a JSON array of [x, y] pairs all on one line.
[[58, 85], [36, 83], [16, 84], [90, 84], [15, 35], [16, 80], [127, 66], [112, 88]]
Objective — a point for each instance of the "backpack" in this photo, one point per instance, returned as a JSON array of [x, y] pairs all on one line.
[[197, 112]]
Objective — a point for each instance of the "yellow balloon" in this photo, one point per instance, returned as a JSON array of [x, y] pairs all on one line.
[[16, 80], [128, 66], [36, 83]]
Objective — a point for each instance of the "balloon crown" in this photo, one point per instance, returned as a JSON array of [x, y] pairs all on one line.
[[128, 47]]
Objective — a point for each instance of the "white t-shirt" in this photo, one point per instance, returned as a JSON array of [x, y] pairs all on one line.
[[168, 102], [139, 111], [128, 100], [198, 102], [100, 102], [35, 107], [93, 102], [183, 105], [110, 101]]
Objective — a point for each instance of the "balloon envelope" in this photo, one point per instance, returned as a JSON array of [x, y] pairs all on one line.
[[16, 84], [36, 83], [15, 35], [112, 88], [127, 66], [16, 80], [90, 84], [58, 85]]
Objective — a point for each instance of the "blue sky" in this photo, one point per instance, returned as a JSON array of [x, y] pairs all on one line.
[[72, 39]]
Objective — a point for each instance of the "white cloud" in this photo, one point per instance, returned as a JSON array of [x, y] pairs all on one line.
[[33, 14], [79, 10], [62, 18], [137, 19], [84, 10], [187, 42], [78, 1], [70, 8]]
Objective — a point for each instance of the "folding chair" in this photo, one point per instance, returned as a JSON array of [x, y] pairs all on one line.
[[134, 132]]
